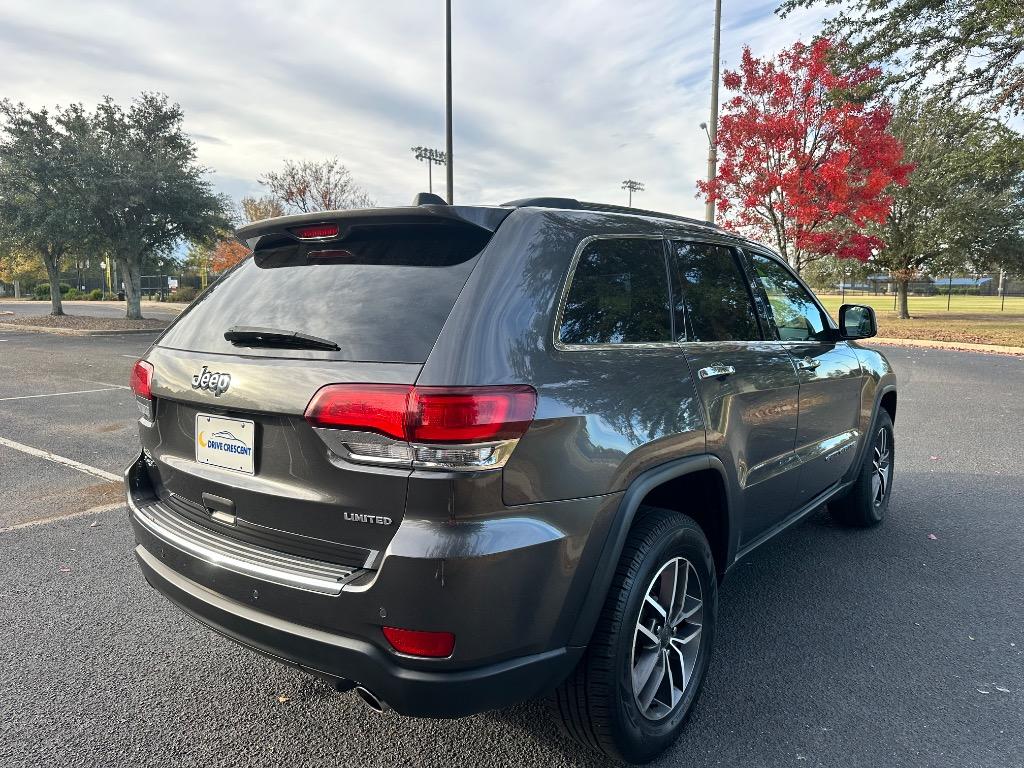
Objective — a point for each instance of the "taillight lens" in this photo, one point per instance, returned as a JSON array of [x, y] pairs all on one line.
[[142, 379], [380, 408], [433, 645], [316, 231], [426, 414], [470, 415]]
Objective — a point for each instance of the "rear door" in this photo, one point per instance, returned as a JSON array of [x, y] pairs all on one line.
[[830, 377], [748, 384], [229, 446]]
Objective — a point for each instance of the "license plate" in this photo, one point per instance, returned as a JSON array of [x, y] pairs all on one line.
[[226, 443]]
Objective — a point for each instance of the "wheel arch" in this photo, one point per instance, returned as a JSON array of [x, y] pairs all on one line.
[[657, 484]]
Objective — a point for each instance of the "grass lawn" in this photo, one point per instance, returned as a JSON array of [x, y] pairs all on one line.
[[972, 319]]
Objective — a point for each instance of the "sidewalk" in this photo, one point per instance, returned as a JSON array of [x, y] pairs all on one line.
[[997, 349]]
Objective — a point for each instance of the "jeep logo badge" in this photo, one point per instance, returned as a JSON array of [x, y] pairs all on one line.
[[214, 382]]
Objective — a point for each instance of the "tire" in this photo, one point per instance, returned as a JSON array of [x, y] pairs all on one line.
[[598, 705], [862, 506]]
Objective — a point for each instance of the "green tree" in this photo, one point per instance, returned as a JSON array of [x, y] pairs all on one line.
[[147, 191], [42, 203], [962, 49], [964, 207]]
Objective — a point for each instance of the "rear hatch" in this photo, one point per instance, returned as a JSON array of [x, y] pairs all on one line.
[[352, 297]]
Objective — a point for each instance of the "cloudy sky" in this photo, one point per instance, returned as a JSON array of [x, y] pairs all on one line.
[[551, 98]]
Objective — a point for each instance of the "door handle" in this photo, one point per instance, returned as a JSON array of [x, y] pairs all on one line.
[[716, 371], [807, 364]]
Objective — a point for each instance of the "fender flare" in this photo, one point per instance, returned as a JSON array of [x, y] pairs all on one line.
[[880, 392], [620, 526]]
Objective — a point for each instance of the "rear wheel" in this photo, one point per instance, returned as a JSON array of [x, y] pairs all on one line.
[[865, 502], [643, 670]]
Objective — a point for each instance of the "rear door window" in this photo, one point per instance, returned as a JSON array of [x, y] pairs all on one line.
[[381, 294], [618, 295], [714, 291]]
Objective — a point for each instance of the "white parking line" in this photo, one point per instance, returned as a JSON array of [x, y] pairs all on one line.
[[59, 394], [69, 515], [105, 384], [94, 471]]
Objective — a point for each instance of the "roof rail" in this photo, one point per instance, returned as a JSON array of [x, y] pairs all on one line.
[[568, 203]]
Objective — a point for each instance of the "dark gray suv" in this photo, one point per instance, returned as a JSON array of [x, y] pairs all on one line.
[[460, 456]]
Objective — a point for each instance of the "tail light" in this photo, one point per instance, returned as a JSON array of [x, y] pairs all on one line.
[[316, 231], [141, 383], [430, 427], [434, 645]]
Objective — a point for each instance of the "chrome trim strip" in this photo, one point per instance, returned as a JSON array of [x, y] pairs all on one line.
[[246, 559]]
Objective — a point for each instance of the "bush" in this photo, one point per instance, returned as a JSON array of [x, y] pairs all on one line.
[[41, 291], [110, 297], [65, 288], [184, 294], [95, 294], [73, 293]]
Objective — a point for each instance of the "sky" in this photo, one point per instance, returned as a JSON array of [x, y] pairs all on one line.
[[563, 98]]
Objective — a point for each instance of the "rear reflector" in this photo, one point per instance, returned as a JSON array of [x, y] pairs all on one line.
[[426, 414], [142, 379], [434, 645], [316, 231]]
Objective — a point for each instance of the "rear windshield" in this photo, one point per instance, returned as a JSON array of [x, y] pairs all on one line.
[[381, 294]]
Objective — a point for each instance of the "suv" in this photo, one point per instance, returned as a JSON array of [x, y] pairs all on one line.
[[457, 457]]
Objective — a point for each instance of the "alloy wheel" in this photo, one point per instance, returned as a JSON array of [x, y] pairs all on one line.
[[666, 641], [881, 466]]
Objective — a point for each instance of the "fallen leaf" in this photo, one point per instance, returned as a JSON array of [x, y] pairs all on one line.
[[65, 570], [1002, 690], [933, 537], [94, 524], [983, 691], [283, 699], [934, 458], [969, 637]]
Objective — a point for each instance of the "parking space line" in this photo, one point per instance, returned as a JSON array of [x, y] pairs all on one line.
[[106, 384], [94, 471], [68, 516], [111, 388]]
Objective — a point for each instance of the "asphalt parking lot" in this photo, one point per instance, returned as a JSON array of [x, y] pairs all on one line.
[[898, 646]]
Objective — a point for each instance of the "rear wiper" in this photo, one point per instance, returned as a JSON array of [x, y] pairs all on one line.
[[249, 336]]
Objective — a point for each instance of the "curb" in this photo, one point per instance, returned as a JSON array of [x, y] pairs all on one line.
[[77, 331], [959, 346]]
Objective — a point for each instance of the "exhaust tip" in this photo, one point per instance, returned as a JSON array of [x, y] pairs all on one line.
[[369, 699]]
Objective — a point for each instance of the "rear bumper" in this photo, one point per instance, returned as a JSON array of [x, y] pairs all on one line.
[[416, 693], [509, 588]]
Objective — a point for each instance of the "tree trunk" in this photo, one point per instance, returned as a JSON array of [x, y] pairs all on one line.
[[17, 289], [794, 261], [53, 274], [130, 274], [901, 292]]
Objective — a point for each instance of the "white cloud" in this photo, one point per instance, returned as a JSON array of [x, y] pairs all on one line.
[[561, 98]]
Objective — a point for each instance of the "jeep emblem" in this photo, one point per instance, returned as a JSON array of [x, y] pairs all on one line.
[[214, 382]]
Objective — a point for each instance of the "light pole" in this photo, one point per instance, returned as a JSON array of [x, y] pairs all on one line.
[[432, 157], [633, 186], [709, 209], [448, 98]]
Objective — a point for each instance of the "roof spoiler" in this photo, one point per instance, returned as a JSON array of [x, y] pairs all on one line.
[[486, 218]]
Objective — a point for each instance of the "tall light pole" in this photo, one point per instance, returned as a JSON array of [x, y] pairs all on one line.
[[448, 98], [709, 210], [633, 186], [432, 157]]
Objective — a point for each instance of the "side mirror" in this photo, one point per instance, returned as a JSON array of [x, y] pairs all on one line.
[[857, 321]]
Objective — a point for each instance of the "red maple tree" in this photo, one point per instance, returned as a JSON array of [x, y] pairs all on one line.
[[805, 157]]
